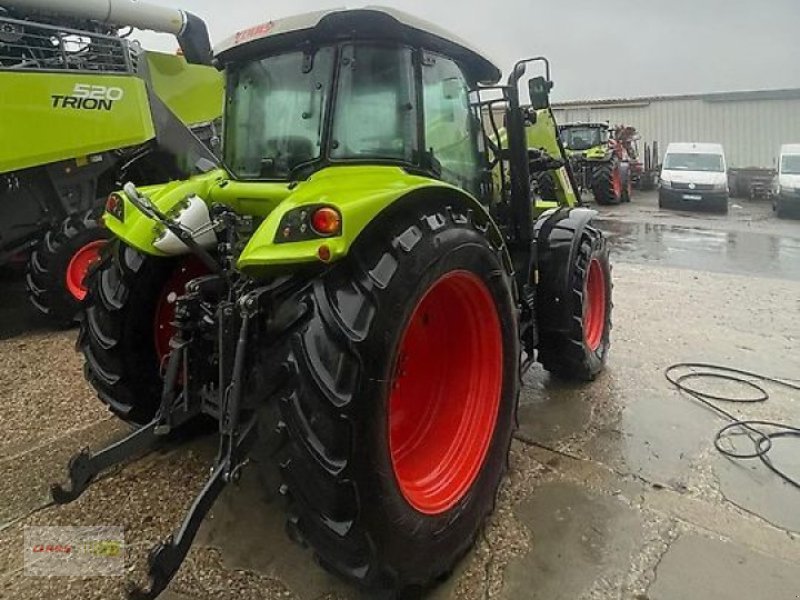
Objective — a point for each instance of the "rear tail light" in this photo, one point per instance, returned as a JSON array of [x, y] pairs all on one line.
[[115, 206], [326, 221]]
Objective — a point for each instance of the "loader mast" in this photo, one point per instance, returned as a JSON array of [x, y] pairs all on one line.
[[521, 213]]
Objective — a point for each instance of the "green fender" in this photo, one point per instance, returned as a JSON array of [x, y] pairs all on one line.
[[600, 152], [138, 230], [359, 193]]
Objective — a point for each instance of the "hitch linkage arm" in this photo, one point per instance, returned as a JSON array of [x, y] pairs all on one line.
[[85, 466], [235, 443]]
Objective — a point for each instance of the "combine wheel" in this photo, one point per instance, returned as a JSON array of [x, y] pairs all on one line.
[[401, 398], [58, 266]]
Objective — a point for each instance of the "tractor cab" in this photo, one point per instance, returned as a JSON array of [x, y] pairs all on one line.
[[581, 137], [348, 97]]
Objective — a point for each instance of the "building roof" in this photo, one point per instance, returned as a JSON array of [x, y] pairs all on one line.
[[782, 94], [368, 23]]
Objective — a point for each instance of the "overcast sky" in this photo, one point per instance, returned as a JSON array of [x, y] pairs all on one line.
[[598, 48]]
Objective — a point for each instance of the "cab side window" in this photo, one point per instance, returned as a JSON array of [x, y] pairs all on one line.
[[451, 129]]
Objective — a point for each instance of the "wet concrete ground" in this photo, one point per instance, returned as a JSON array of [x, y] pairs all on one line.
[[615, 489]]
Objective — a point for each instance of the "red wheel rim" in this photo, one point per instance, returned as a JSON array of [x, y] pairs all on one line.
[[79, 265], [445, 392], [165, 307], [594, 320], [616, 183]]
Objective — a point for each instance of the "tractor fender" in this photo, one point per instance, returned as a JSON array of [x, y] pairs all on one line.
[[361, 194], [463, 202], [557, 236]]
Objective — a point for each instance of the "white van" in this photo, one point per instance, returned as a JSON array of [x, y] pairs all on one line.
[[787, 195], [694, 176]]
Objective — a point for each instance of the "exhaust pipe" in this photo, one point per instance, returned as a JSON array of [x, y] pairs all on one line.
[[189, 29]]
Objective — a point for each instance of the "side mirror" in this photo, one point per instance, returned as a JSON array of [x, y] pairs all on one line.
[[539, 91]]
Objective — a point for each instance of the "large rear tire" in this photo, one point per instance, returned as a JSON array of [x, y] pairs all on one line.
[[401, 399], [125, 327], [58, 266], [579, 351], [606, 183]]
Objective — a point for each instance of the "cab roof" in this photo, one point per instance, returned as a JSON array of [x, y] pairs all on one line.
[[790, 149], [370, 23]]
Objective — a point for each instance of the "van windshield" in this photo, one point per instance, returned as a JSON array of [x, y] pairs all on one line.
[[790, 164], [693, 162]]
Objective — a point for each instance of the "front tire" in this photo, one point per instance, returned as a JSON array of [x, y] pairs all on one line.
[[57, 267], [401, 401], [579, 351]]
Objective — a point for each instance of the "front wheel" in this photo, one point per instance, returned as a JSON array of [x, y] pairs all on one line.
[[579, 351], [401, 401]]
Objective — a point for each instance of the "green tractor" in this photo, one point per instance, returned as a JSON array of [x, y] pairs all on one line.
[[603, 159], [354, 296], [83, 110]]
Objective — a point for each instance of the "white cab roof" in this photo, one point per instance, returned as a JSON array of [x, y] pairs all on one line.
[[372, 21]]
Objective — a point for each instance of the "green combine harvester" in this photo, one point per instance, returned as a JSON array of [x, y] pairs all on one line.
[[353, 294], [83, 110]]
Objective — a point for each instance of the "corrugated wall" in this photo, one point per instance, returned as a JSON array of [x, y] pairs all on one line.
[[750, 130]]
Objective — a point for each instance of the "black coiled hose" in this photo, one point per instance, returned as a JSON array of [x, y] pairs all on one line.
[[760, 432]]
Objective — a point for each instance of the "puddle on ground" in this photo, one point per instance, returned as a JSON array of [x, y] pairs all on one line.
[[656, 436], [752, 486], [739, 252], [551, 410], [577, 537]]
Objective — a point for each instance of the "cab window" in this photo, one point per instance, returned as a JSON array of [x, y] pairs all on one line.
[[451, 129]]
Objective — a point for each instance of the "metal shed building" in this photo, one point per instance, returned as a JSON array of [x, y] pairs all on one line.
[[750, 125]]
